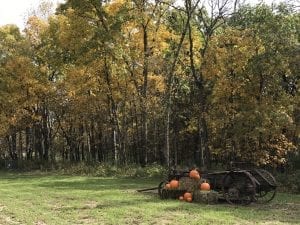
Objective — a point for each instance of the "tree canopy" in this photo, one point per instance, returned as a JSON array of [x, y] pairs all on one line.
[[135, 81]]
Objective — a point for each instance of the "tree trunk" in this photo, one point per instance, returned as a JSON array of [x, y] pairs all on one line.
[[99, 146], [20, 149], [144, 152], [167, 152], [45, 133], [28, 140]]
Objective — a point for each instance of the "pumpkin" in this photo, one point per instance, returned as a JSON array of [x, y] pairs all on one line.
[[187, 195], [181, 198], [205, 186], [197, 177], [194, 174], [168, 186], [174, 184], [189, 199]]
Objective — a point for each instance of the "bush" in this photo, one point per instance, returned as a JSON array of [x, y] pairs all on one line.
[[155, 170], [289, 182], [108, 170], [88, 169]]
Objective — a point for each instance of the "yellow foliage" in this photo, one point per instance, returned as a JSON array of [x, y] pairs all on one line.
[[35, 28], [114, 6], [156, 83]]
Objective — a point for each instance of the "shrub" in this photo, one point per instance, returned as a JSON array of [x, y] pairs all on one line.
[[289, 182], [108, 170]]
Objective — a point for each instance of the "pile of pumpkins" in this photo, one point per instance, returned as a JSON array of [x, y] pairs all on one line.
[[187, 196]]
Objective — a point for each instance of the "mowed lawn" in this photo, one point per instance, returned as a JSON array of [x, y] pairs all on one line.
[[52, 199]]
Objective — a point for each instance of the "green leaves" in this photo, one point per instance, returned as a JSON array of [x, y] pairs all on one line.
[[105, 73]]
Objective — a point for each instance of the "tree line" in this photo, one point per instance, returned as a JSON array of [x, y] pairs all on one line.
[[136, 81]]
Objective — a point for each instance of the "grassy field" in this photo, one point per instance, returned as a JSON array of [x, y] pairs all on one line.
[[50, 199]]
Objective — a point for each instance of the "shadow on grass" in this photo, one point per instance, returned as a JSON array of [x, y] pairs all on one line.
[[99, 184], [10, 176], [79, 182]]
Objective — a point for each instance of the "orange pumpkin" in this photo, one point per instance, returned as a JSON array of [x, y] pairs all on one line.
[[205, 186], [189, 199], [187, 195], [194, 174], [168, 186], [197, 177], [181, 198], [174, 184]]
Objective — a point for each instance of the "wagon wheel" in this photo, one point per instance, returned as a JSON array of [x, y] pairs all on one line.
[[239, 187], [162, 191], [266, 194]]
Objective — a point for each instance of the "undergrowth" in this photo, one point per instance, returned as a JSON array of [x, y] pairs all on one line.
[[93, 169]]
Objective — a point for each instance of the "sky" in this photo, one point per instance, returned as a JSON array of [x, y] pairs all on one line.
[[15, 11]]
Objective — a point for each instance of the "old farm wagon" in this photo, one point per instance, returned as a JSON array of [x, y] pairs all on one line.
[[236, 186]]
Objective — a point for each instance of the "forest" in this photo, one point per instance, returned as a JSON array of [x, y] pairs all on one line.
[[141, 82]]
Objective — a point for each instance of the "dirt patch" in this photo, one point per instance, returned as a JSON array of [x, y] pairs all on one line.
[[40, 223], [7, 220], [85, 219], [90, 205], [134, 220], [169, 218]]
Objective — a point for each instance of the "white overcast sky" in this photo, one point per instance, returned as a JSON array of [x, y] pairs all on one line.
[[15, 11]]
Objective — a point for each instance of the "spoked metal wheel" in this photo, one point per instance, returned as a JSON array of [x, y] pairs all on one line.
[[267, 190], [162, 191], [265, 196], [239, 187]]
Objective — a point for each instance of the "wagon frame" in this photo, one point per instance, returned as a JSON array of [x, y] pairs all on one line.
[[236, 186]]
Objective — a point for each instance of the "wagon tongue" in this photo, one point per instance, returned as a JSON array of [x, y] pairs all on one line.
[[147, 189]]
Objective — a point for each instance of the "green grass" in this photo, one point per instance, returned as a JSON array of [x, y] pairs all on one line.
[[49, 199]]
